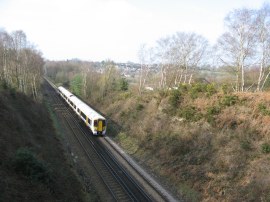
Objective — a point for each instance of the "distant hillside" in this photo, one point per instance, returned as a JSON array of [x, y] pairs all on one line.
[[33, 166]]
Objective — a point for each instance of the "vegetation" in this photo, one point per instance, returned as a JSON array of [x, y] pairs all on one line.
[[207, 136], [203, 138], [33, 165], [21, 66], [26, 163]]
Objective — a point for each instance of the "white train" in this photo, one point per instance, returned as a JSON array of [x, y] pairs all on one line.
[[92, 119]]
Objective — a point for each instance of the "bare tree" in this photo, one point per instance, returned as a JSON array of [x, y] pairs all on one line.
[[237, 44], [146, 57], [19, 43], [263, 34], [20, 64], [163, 58], [189, 50]]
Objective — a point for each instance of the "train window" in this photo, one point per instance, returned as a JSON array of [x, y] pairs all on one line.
[[83, 115], [89, 121], [95, 123]]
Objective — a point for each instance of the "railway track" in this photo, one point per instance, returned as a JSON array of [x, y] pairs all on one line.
[[118, 182]]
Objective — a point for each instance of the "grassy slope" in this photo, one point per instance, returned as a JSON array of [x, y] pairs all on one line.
[[215, 155], [33, 166]]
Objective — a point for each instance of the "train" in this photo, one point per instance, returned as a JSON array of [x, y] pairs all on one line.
[[93, 120]]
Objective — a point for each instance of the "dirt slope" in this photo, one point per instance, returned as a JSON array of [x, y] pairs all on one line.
[[211, 148], [33, 166]]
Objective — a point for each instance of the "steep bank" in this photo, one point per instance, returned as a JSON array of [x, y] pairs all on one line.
[[210, 146], [33, 166]]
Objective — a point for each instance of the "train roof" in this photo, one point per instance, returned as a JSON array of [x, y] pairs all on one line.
[[65, 91], [88, 111]]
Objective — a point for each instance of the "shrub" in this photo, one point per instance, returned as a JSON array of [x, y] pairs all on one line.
[[26, 163], [76, 85], [123, 84], [210, 89], [162, 93], [211, 111], [4, 85], [196, 89], [183, 88], [229, 100], [139, 107], [265, 148], [225, 89], [124, 95], [190, 113], [175, 98], [263, 109]]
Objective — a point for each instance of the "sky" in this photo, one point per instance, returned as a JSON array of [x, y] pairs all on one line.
[[97, 30]]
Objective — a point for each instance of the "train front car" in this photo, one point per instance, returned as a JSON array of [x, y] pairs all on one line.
[[99, 126], [93, 120]]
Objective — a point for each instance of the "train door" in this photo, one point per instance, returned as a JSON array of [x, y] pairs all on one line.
[[100, 125], [86, 121]]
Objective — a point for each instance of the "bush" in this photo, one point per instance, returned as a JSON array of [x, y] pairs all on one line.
[[26, 163], [225, 89], [210, 89], [175, 98], [263, 109], [190, 114], [229, 100], [265, 148], [139, 107], [183, 88], [211, 111], [123, 84], [124, 95], [196, 89], [76, 85]]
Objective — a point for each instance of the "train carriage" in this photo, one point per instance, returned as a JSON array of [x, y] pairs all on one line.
[[95, 121]]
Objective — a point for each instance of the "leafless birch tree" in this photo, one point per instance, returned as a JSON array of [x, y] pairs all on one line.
[[237, 44], [263, 37]]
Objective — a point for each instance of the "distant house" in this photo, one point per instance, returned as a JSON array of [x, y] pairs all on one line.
[[149, 88]]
